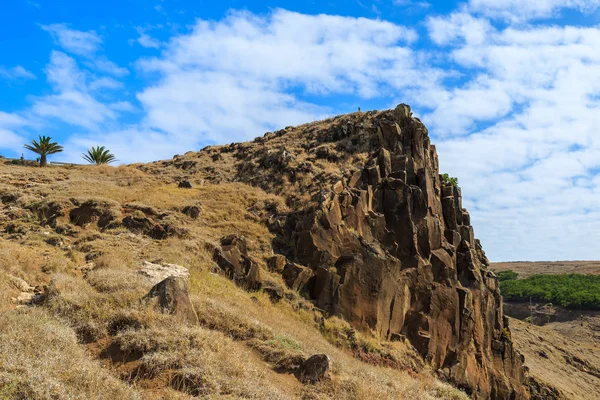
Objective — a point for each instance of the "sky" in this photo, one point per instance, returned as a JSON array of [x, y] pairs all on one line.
[[509, 90]]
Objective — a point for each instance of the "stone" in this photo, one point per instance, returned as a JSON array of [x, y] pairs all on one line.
[[232, 257], [170, 296], [20, 284], [156, 273], [192, 211], [274, 291], [297, 277], [185, 184], [101, 211], [314, 369], [141, 225], [277, 263]]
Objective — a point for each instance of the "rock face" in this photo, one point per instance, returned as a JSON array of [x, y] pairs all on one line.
[[390, 248]]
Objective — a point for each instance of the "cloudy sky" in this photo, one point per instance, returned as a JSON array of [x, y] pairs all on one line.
[[509, 89]]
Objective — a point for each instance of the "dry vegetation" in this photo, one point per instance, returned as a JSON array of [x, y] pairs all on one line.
[[93, 338], [571, 366], [526, 269]]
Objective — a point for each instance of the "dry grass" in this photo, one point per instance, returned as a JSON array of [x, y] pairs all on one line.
[[244, 338], [41, 359]]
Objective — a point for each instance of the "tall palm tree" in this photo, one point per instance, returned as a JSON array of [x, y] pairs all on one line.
[[99, 155], [44, 147]]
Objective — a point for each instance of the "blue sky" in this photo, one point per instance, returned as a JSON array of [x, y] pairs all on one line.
[[509, 90]]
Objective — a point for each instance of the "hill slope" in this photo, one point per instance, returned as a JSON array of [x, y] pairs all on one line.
[[283, 236]]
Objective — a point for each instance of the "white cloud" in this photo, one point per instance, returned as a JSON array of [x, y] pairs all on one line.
[[233, 79], [105, 82], [15, 73], [519, 10], [72, 103], [146, 40], [74, 41], [536, 89], [513, 107], [109, 67]]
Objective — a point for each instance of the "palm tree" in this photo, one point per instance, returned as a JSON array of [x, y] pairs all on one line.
[[99, 155], [44, 147]]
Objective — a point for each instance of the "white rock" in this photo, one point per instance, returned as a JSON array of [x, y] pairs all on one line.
[[20, 284], [24, 298], [156, 273]]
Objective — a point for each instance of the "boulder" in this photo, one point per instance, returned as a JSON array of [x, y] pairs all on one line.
[[185, 184], [232, 257], [192, 211], [297, 277], [170, 296], [314, 369], [277, 263], [156, 273]]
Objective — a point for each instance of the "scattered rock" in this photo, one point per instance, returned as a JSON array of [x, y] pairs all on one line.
[[185, 184], [20, 284], [192, 211], [277, 263], [156, 273], [274, 291], [138, 224], [101, 211], [232, 257], [171, 296], [314, 369]]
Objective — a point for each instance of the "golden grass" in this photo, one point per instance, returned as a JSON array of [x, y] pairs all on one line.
[[41, 359], [244, 337]]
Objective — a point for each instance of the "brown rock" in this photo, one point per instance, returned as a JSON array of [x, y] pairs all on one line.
[[314, 369], [192, 211], [297, 277], [185, 184], [394, 253], [277, 263], [232, 257], [170, 296]]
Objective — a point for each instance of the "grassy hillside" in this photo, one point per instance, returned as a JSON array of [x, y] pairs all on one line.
[[93, 338]]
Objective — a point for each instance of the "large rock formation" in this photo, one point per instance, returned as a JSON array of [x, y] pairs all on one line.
[[391, 249]]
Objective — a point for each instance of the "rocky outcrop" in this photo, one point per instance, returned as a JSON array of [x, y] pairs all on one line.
[[391, 249], [232, 257]]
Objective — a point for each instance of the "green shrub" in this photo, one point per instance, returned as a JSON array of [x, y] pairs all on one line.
[[508, 275], [572, 290], [449, 180]]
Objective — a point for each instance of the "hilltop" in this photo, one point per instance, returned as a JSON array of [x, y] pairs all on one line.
[[338, 237]]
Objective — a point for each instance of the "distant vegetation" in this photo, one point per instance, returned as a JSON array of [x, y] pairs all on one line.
[[508, 275], [449, 180], [571, 291], [99, 155], [44, 147]]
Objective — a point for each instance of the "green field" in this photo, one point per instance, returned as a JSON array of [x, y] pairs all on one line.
[[571, 290]]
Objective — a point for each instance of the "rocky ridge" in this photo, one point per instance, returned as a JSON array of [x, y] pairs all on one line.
[[375, 237]]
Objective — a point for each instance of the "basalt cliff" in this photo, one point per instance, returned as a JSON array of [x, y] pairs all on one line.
[[323, 261], [377, 238]]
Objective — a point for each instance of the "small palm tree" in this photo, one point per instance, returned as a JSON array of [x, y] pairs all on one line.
[[44, 147], [99, 155]]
